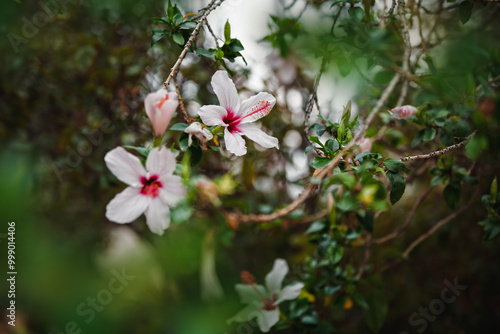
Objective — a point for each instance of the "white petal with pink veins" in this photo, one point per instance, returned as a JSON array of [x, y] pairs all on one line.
[[127, 206], [212, 115], [226, 92], [157, 216], [256, 107], [253, 132], [235, 143], [125, 166], [172, 190], [160, 162]]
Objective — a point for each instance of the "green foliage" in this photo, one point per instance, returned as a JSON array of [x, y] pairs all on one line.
[[178, 26]]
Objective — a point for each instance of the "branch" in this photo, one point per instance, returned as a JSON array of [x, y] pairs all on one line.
[[407, 52], [194, 34], [442, 222], [430, 232], [440, 152], [181, 102], [319, 174]]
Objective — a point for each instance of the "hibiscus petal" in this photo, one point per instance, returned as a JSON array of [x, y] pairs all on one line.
[[253, 132], [256, 107], [172, 190], [212, 115], [235, 143], [126, 206], [249, 295], [226, 92], [247, 314], [125, 166], [160, 161], [268, 319], [275, 277], [157, 216], [289, 292]]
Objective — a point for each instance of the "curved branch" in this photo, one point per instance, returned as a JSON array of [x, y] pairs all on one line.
[[440, 152], [194, 34], [407, 223], [319, 174]]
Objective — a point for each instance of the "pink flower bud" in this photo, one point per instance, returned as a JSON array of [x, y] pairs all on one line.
[[160, 106], [403, 112]]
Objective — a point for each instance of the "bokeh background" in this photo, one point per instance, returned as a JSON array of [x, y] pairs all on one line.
[[72, 89]]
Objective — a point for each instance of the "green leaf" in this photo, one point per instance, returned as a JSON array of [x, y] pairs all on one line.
[[395, 166], [451, 194], [219, 54], [429, 134], [205, 53], [465, 11], [360, 301], [346, 114], [179, 127], [196, 154], [227, 32], [188, 25], [418, 138], [332, 145], [156, 38], [491, 228], [377, 311], [320, 162], [316, 140], [179, 39], [475, 146], [309, 149], [315, 227], [143, 151], [494, 191], [356, 13], [398, 186], [184, 142]]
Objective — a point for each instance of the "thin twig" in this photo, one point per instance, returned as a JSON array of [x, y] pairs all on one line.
[[212, 33], [440, 152], [430, 232], [442, 222], [320, 174], [366, 258], [407, 52], [191, 39], [407, 223], [181, 102]]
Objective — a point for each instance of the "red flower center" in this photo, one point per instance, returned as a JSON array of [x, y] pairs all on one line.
[[232, 121], [151, 187], [269, 303]]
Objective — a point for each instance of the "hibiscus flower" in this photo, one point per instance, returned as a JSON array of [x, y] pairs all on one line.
[[263, 301], [235, 117], [150, 192]]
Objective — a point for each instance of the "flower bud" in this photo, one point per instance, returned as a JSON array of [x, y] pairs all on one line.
[[403, 112], [160, 107]]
